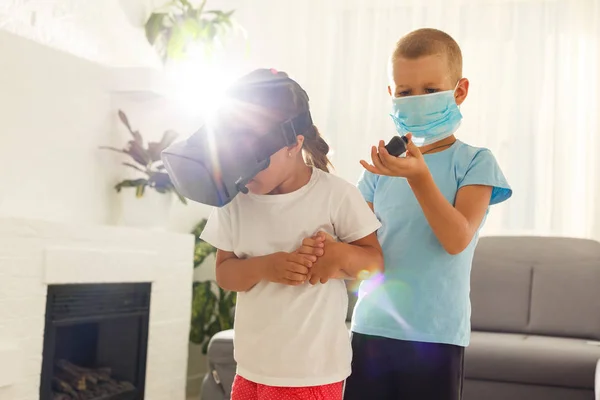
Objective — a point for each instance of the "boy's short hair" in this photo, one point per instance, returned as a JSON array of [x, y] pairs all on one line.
[[427, 42]]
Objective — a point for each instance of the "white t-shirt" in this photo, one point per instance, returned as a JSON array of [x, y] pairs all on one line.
[[284, 335]]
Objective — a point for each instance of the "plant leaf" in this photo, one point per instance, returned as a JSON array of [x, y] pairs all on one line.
[[216, 13], [191, 29], [113, 149], [168, 138], [214, 328], [185, 3], [201, 251], [139, 190], [231, 299], [211, 32], [160, 180], [137, 138], [198, 230], [176, 43], [154, 26], [138, 153], [220, 13], [156, 148], [136, 183], [199, 294], [201, 7], [134, 167], [124, 119], [154, 151], [204, 303], [180, 197], [162, 44]]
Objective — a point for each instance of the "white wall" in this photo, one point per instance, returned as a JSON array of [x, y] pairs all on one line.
[[54, 112], [106, 31]]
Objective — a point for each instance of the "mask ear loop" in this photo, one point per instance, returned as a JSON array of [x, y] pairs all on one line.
[[454, 91]]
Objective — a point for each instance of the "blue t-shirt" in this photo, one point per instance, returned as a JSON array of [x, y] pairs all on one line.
[[423, 294]]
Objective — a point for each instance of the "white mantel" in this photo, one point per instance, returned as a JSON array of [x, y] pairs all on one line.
[[34, 254]]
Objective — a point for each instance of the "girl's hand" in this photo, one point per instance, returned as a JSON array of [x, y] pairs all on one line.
[[325, 236], [411, 167], [314, 246], [317, 246], [327, 266], [288, 268]]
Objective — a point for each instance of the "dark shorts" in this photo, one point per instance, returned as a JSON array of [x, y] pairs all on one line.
[[393, 369]]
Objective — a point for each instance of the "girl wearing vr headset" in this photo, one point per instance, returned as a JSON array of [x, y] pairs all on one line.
[[286, 246]]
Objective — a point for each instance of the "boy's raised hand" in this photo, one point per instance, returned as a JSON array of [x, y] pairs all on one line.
[[412, 166]]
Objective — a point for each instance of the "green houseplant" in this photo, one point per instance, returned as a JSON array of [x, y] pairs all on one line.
[[180, 26], [212, 307], [145, 159]]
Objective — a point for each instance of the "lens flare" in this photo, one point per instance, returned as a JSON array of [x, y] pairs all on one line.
[[198, 83], [376, 292]]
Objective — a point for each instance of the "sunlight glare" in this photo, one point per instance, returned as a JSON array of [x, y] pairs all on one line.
[[198, 84]]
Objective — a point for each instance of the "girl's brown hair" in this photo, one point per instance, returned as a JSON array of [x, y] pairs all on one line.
[[281, 98]]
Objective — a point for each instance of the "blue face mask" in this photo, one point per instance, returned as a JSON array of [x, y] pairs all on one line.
[[429, 117]]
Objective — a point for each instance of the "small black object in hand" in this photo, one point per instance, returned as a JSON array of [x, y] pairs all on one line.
[[397, 146]]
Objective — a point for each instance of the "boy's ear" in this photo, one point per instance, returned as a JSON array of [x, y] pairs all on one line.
[[462, 90], [389, 90]]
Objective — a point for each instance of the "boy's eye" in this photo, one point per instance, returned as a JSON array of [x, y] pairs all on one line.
[[403, 93], [431, 90]]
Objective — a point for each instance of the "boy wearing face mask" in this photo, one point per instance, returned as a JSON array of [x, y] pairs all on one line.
[[411, 325]]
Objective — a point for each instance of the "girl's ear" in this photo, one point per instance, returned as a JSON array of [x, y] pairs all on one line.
[[298, 146]]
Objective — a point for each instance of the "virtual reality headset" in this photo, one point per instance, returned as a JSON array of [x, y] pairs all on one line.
[[213, 165]]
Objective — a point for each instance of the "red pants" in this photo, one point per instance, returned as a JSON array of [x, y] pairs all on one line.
[[244, 389]]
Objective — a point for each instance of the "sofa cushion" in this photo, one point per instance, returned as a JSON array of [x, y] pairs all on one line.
[[536, 285], [517, 358], [565, 299], [500, 293]]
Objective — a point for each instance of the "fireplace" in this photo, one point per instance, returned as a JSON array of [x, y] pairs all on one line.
[[66, 288], [95, 341]]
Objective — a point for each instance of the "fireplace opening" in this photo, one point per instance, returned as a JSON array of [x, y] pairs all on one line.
[[95, 342]]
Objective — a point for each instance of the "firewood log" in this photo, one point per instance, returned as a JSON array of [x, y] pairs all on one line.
[[73, 382], [64, 387], [76, 381], [76, 370]]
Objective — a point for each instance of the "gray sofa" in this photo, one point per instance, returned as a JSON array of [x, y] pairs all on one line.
[[535, 320], [536, 315]]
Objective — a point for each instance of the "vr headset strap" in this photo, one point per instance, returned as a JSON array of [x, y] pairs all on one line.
[[267, 145], [283, 136]]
